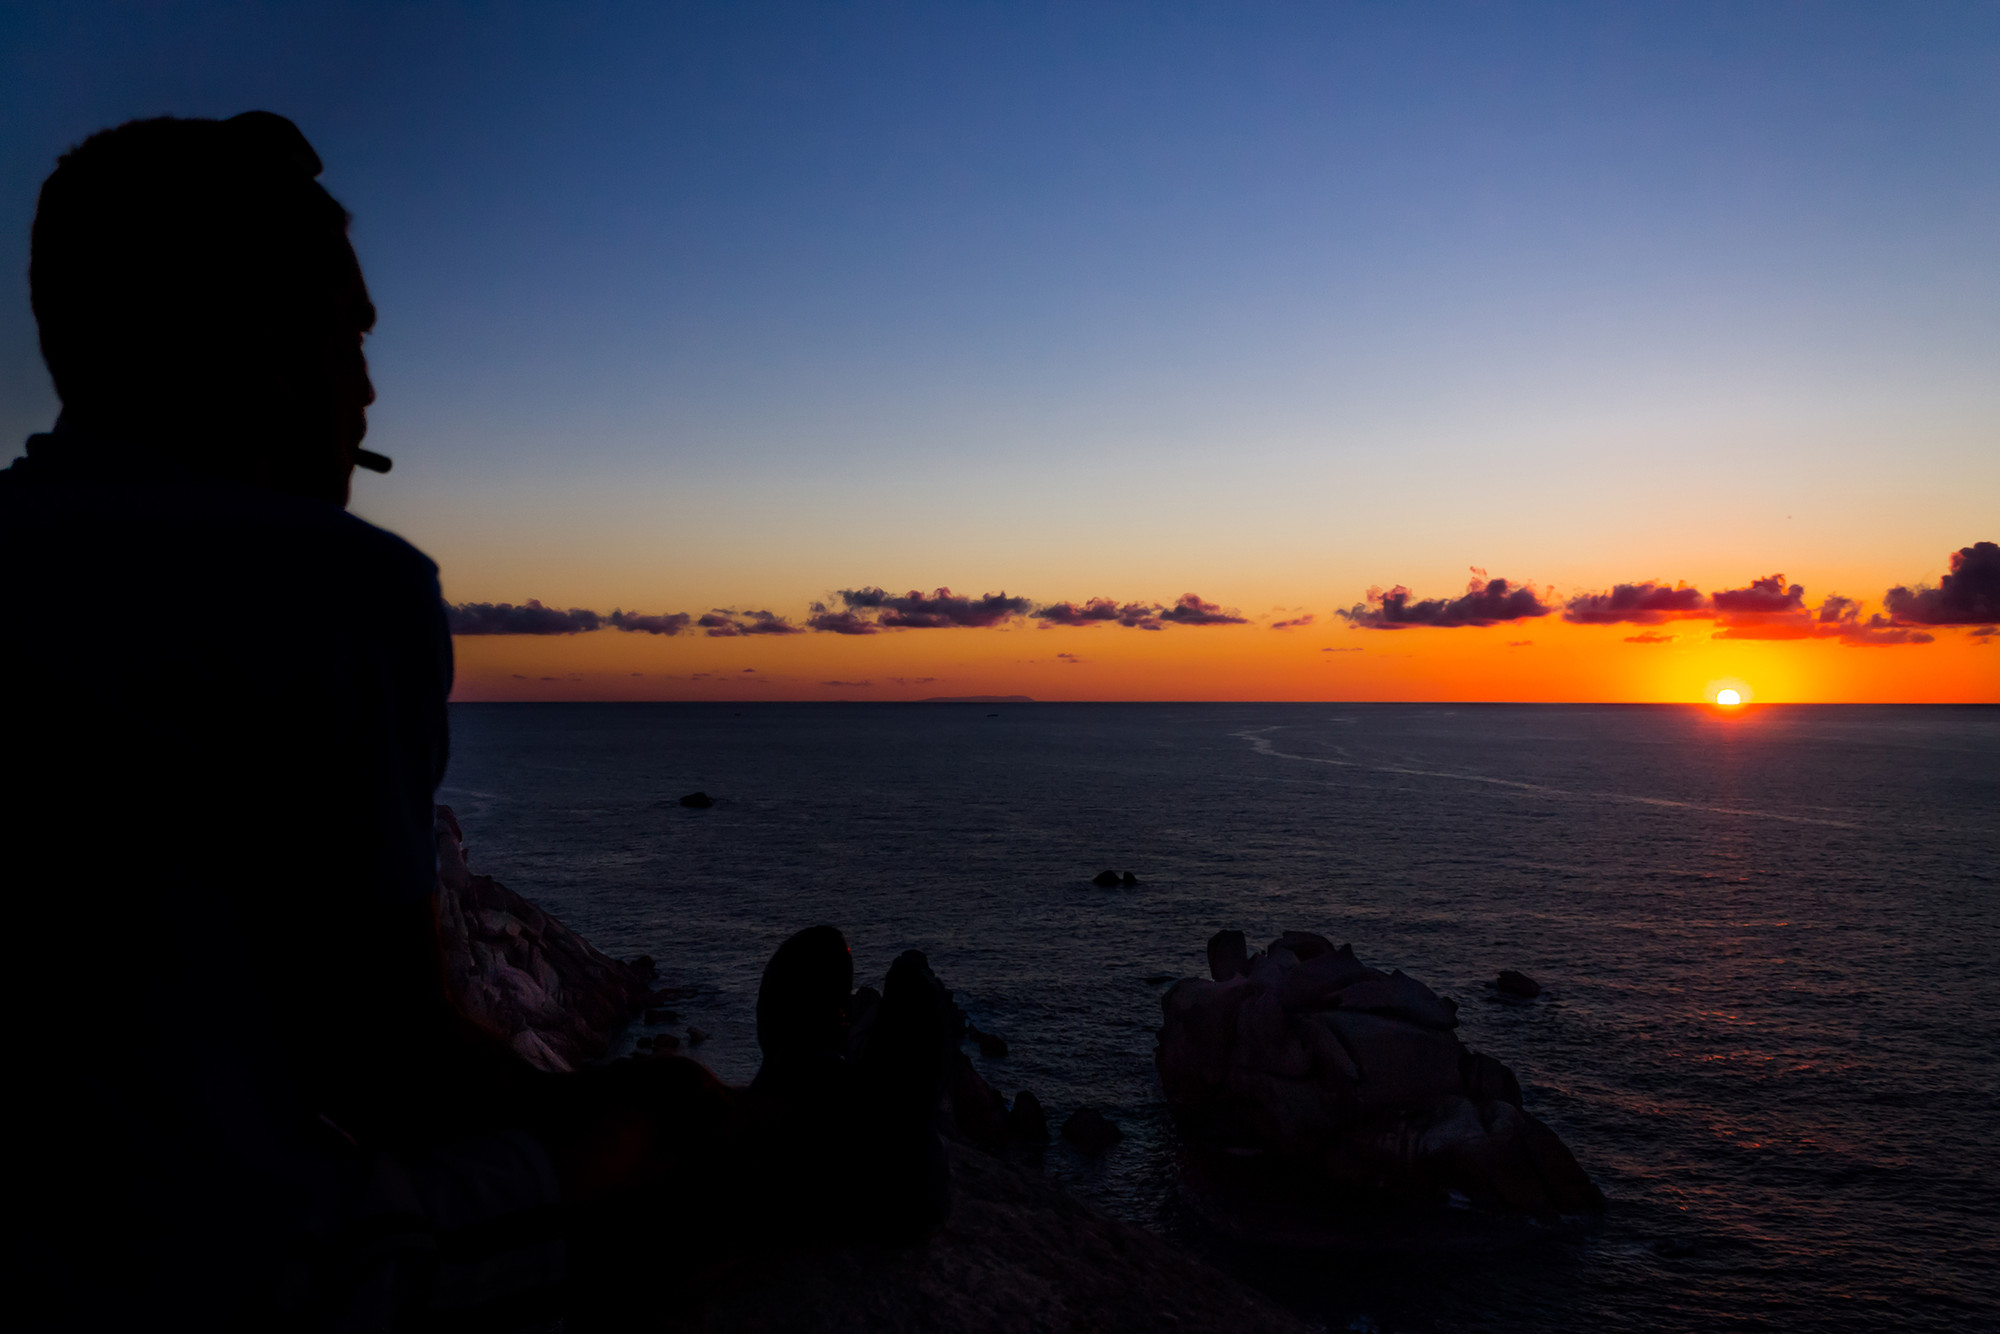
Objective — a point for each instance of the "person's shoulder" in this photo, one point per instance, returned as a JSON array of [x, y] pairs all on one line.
[[393, 553]]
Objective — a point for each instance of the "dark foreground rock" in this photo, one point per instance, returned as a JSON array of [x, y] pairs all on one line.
[[1299, 1064], [1019, 1253], [524, 974]]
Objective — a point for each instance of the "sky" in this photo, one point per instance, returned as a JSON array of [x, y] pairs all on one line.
[[1220, 315]]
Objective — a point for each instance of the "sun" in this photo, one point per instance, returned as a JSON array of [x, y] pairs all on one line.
[[1729, 699]]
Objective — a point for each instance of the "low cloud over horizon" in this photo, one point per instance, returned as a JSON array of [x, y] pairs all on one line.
[[1765, 608], [1486, 602]]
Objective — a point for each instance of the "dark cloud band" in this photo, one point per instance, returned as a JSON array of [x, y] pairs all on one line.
[[1969, 595], [1486, 602]]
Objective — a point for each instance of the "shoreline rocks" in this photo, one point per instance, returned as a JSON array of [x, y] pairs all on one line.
[[1019, 1251], [522, 973], [1301, 1063]]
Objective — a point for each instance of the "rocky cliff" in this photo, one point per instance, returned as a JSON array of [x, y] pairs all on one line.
[[523, 973]]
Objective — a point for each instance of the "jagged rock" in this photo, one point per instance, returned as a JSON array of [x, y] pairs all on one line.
[[696, 1036], [697, 801], [1105, 880], [1512, 983], [1128, 880], [522, 973], [1026, 1121], [1090, 1130], [990, 1044], [1353, 1079]]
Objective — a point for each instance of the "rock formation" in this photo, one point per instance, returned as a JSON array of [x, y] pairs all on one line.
[[1353, 1080], [1018, 1252], [524, 974]]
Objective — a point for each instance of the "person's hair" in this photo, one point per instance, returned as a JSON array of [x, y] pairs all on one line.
[[182, 271]]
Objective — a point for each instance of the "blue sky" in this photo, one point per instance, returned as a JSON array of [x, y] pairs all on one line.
[[735, 303]]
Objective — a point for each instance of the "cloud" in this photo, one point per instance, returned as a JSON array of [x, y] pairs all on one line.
[[1340, 650], [1069, 658], [1636, 604], [651, 625], [1773, 611], [1840, 618], [840, 622], [1984, 634], [1969, 595], [1293, 623], [1486, 602], [1650, 637], [939, 610], [1767, 608], [912, 680], [531, 618], [728, 623], [1098, 611], [1519, 643], [855, 684], [1189, 609]]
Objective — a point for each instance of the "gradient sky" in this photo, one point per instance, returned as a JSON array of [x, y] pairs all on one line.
[[689, 307]]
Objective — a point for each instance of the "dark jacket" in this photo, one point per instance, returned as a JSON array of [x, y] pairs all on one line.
[[224, 721]]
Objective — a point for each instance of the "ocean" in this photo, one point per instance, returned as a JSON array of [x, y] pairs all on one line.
[[1769, 942]]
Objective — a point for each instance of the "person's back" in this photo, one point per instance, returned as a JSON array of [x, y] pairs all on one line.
[[197, 833]]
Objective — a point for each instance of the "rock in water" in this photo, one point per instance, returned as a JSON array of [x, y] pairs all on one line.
[[1350, 1086], [520, 972], [697, 801], [1105, 880], [1512, 983], [1128, 880], [1090, 1130]]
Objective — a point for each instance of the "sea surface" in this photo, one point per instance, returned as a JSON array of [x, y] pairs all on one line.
[[1769, 941]]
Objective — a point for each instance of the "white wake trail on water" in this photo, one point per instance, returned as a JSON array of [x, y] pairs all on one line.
[[1264, 746]]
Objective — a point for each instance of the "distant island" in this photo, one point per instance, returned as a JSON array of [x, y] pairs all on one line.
[[978, 699]]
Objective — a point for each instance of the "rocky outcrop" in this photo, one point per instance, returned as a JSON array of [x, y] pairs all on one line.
[[1018, 1251], [1354, 1082], [524, 974]]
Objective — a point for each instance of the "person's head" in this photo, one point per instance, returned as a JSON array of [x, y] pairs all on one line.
[[197, 296]]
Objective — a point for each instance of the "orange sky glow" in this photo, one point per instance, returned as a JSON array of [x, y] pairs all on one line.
[[1556, 663]]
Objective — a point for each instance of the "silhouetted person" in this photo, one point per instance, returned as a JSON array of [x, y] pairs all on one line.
[[243, 1096]]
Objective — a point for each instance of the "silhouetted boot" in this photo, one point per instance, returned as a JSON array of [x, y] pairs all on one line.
[[802, 1013], [902, 1065], [805, 1094]]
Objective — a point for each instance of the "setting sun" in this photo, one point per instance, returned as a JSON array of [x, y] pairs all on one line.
[[1728, 698]]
